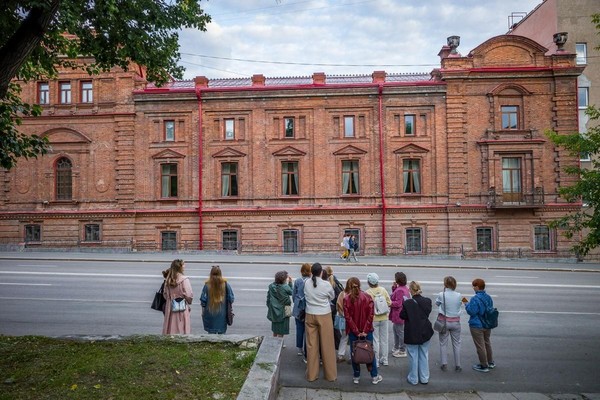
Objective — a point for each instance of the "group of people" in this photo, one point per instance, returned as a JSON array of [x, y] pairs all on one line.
[[216, 299], [330, 317], [319, 302], [349, 246]]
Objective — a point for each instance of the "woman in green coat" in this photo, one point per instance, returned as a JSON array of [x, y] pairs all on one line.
[[279, 304]]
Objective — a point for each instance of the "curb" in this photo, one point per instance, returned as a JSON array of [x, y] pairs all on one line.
[[262, 382]]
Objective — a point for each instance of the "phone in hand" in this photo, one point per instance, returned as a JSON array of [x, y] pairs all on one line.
[[465, 300]]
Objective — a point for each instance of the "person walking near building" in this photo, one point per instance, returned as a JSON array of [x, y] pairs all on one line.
[[319, 326], [417, 334], [345, 246], [359, 312], [449, 302], [177, 289], [216, 294], [400, 293], [382, 302], [353, 248], [476, 307], [278, 304], [299, 309]]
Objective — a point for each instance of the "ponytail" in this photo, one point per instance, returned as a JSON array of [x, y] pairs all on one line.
[[316, 270]]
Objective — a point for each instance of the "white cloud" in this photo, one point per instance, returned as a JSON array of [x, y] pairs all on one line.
[[365, 33]]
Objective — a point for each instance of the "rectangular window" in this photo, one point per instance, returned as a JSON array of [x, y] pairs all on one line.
[[350, 177], [229, 129], [168, 240], [168, 180], [348, 126], [288, 123], [87, 93], [581, 50], [230, 240], [411, 175], [484, 239], [91, 233], [33, 233], [169, 127], [409, 125], [65, 92], [414, 240], [290, 241], [510, 117], [64, 179], [542, 239], [289, 178], [511, 179], [583, 96], [43, 93], [229, 181]]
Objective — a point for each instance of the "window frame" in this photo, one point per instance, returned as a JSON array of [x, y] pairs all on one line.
[[507, 116], [86, 93], [289, 131], [232, 181], [352, 186], [290, 179], [410, 127], [515, 194], [166, 238], [288, 236], [581, 53], [65, 92], [229, 131], [166, 192], [481, 234], [411, 245], [169, 130], [408, 177], [349, 126], [92, 232], [548, 237], [226, 242], [32, 233], [63, 179], [43, 93]]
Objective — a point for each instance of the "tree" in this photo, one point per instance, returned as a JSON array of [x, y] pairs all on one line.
[[37, 37], [588, 186]]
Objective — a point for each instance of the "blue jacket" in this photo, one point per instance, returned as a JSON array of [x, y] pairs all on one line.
[[298, 295], [477, 306]]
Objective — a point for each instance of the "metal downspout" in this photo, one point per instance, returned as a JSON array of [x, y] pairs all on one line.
[[200, 159], [381, 174]]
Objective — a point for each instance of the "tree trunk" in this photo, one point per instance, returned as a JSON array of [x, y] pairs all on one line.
[[22, 43]]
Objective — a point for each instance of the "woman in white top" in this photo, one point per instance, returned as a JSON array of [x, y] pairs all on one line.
[[319, 326], [449, 304]]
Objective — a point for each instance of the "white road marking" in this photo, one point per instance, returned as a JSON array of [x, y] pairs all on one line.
[[107, 301], [25, 284], [517, 277]]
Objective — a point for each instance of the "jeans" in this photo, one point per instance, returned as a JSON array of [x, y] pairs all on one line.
[[399, 337], [452, 331], [380, 340], [483, 344], [356, 367], [418, 363], [300, 339]]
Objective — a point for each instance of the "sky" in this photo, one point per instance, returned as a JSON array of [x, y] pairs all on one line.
[[284, 38]]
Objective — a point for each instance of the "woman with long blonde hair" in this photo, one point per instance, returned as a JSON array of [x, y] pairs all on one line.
[[177, 289], [216, 294]]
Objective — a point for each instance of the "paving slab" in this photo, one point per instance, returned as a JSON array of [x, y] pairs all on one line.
[[392, 396], [462, 396], [530, 396], [323, 394], [496, 396], [288, 393]]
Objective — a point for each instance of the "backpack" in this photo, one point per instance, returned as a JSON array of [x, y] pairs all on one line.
[[489, 318], [380, 304]]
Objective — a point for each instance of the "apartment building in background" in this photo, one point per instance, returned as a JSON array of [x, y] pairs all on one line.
[[449, 162]]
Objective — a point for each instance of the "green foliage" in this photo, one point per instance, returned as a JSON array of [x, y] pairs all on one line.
[[107, 34], [586, 188]]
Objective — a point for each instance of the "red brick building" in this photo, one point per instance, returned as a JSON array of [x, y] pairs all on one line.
[[451, 161]]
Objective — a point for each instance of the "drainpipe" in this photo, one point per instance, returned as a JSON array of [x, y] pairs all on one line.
[[381, 174], [200, 158]]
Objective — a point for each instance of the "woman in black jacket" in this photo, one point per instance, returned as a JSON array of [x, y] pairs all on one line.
[[417, 332]]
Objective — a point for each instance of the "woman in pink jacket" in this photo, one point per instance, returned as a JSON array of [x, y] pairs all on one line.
[[177, 287]]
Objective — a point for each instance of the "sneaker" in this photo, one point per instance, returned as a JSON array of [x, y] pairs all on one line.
[[444, 367], [341, 359], [377, 379], [458, 368], [491, 365], [304, 359], [402, 354], [356, 379], [300, 352], [480, 368], [396, 353], [384, 363]]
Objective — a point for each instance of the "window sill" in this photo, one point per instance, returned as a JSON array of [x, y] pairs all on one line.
[[168, 199]]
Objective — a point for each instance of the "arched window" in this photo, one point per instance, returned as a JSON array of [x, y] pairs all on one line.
[[64, 179]]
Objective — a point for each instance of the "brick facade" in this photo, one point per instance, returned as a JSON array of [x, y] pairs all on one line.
[[412, 163]]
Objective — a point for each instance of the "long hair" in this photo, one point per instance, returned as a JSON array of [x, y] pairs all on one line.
[[330, 276], [171, 273], [216, 288], [316, 270], [353, 284]]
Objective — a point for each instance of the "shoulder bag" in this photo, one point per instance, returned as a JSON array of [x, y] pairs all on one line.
[[178, 305], [440, 323], [159, 301]]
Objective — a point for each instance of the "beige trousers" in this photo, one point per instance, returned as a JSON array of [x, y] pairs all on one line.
[[320, 345]]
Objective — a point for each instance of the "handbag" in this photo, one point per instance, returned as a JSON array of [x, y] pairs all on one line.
[[159, 301], [230, 313], [362, 352], [287, 311], [178, 305], [339, 323], [440, 323]]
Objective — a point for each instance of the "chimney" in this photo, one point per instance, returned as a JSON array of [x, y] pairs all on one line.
[[318, 78], [378, 76], [201, 81], [258, 80]]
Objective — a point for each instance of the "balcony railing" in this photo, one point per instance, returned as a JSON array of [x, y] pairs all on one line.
[[533, 199]]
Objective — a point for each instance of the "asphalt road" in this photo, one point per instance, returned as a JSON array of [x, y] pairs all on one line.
[[546, 342]]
